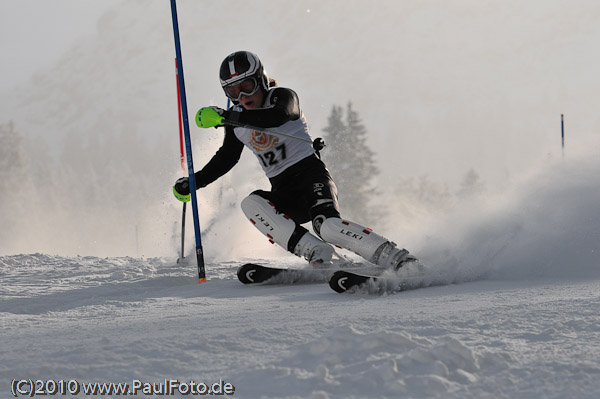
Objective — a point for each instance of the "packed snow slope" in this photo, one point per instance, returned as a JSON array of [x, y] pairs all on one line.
[[519, 317]]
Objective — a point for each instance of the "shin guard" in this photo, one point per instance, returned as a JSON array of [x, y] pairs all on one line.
[[364, 242], [278, 227]]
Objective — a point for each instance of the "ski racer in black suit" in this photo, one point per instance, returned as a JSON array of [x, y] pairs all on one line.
[[302, 189]]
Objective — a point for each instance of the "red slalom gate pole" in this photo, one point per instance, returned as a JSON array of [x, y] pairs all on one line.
[[182, 153]]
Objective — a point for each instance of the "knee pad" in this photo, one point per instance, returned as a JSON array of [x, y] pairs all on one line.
[[352, 236], [278, 227], [322, 211]]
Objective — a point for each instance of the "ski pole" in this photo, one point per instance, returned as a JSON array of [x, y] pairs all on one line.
[[318, 143], [182, 232], [265, 130], [182, 159], [188, 147]]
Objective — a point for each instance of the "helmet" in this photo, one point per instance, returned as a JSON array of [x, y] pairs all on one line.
[[242, 67]]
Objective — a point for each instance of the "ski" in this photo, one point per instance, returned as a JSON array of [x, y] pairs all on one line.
[[342, 281], [251, 273], [388, 282]]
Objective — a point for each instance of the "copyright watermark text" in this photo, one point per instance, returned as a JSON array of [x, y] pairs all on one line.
[[26, 387]]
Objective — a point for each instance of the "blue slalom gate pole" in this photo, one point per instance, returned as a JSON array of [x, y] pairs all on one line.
[[188, 147]]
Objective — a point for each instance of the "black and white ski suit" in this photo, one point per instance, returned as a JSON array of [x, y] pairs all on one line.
[[301, 185]]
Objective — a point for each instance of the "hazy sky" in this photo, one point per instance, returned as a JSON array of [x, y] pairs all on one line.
[[34, 33]]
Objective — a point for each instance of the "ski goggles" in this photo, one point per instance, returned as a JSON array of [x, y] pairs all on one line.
[[246, 88]]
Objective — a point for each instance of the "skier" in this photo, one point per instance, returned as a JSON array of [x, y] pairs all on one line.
[[302, 189]]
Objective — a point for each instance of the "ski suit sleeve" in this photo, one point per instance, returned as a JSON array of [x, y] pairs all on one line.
[[226, 158], [284, 107]]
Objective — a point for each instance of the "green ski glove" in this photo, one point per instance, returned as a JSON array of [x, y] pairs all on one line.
[[210, 117], [181, 189]]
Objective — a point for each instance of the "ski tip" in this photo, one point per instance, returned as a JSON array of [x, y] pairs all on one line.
[[337, 282], [334, 283], [342, 281], [202, 280], [246, 273], [251, 273]]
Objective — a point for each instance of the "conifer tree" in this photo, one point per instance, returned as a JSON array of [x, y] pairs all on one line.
[[12, 184], [351, 163], [11, 156]]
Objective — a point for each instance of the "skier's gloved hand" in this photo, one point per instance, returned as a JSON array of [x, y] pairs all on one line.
[[210, 117], [181, 189]]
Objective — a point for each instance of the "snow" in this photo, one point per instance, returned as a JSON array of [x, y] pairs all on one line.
[[518, 318], [119, 319]]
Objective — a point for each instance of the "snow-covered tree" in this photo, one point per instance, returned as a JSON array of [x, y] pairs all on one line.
[[351, 163], [471, 185], [11, 151], [12, 184]]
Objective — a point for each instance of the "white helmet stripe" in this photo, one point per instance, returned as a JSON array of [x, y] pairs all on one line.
[[253, 63]]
